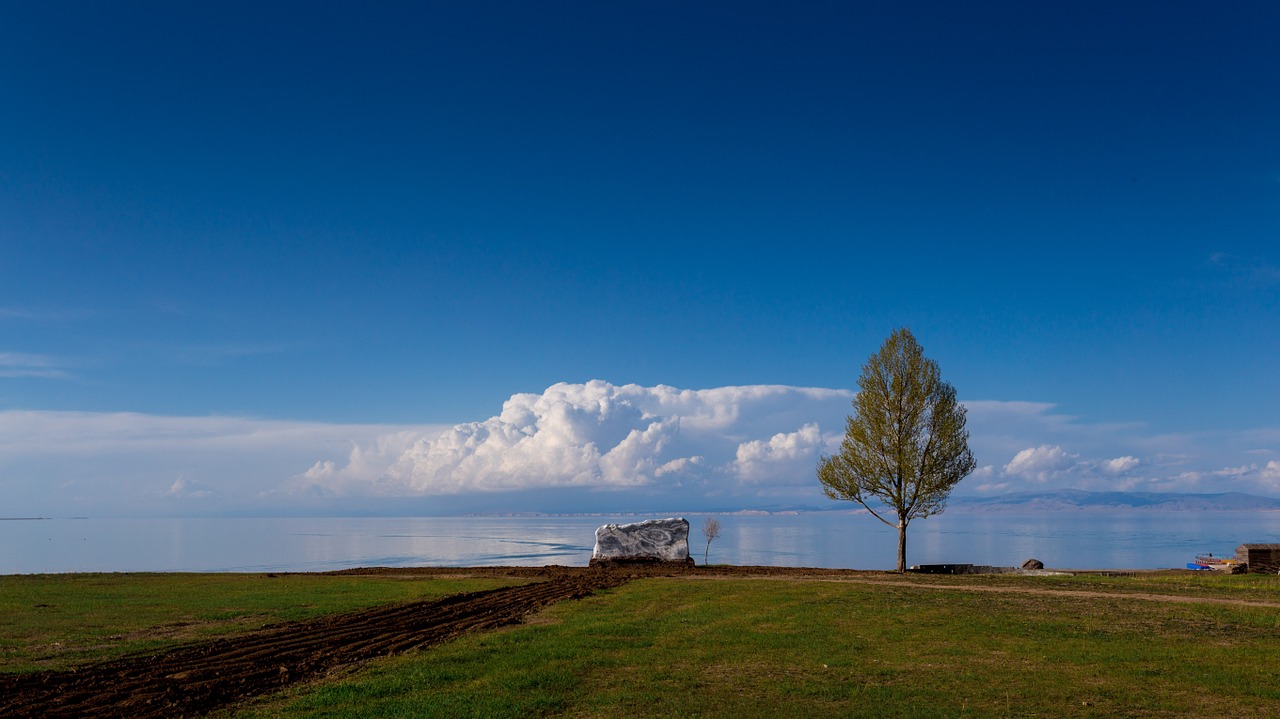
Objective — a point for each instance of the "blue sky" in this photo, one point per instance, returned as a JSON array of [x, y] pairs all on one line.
[[239, 242]]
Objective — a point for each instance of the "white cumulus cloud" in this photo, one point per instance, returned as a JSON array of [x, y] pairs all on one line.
[[1119, 465], [602, 436], [1040, 464], [784, 458]]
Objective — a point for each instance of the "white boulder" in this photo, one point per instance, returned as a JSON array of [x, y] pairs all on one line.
[[655, 540]]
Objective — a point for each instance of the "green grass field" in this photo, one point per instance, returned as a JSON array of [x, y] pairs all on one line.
[[768, 648], [761, 647], [52, 621]]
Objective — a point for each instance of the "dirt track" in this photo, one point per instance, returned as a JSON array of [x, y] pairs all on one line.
[[196, 679]]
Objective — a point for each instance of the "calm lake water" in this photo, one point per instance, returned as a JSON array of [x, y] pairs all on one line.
[[1111, 540]]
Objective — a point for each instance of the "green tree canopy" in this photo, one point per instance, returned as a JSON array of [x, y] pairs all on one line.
[[905, 445]]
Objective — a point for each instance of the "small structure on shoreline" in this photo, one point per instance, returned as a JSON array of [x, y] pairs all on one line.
[[1260, 558], [651, 542]]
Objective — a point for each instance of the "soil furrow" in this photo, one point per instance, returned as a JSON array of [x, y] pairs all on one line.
[[194, 680]]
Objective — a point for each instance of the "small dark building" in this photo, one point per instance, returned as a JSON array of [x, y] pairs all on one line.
[[1261, 558]]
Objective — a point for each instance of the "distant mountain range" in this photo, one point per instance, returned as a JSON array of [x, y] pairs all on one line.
[[1080, 500]]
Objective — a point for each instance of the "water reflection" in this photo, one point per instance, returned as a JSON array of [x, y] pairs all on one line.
[[821, 539]]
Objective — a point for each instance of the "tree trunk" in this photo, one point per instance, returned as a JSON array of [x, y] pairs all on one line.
[[902, 546]]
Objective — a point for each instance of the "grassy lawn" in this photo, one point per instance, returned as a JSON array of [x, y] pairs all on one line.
[[769, 648], [1245, 587], [696, 646], [54, 621]]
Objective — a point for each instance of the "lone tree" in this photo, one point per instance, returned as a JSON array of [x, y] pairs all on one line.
[[905, 445], [710, 530]]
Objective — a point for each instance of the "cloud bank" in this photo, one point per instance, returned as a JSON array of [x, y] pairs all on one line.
[[603, 437], [756, 445], [593, 446]]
